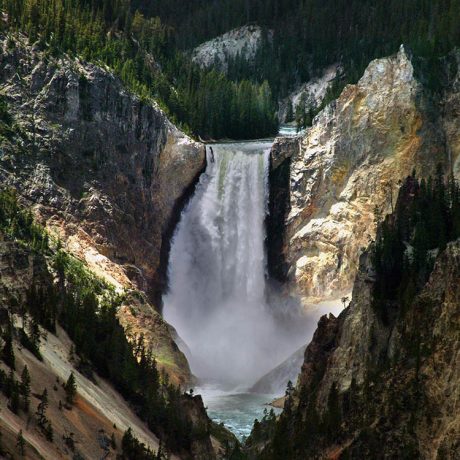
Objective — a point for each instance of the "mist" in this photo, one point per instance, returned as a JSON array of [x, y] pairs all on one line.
[[217, 298]]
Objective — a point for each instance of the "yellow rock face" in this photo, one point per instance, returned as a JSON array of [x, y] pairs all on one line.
[[350, 163]]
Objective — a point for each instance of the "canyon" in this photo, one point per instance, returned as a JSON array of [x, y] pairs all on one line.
[[383, 376], [108, 175]]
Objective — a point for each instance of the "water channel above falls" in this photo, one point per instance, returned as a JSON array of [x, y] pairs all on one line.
[[231, 333]]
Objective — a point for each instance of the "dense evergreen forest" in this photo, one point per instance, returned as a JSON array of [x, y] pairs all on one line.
[[310, 34], [140, 49], [426, 218]]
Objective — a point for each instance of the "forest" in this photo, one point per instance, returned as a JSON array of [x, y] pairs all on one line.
[[424, 220], [146, 44], [139, 49], [311, 34]]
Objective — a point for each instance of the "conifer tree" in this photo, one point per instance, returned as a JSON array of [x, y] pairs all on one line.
[[2, 451], [70, 388], [49, 432], [7, 350], [21, 444], [41, 409], [10, 382], [14, 403], [25, 389]]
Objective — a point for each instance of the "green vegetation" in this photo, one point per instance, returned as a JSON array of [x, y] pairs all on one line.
[[70, 389], [262, 430], [18, 224], [146, 44], [43, 423], [426, 217], [25, 388], [311, 34], [139, 50], [133, 449], [21, 444], [86, 307], [7, 349]]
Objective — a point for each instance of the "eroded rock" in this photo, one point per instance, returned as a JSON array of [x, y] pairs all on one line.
[[348, 165], [104, 171]]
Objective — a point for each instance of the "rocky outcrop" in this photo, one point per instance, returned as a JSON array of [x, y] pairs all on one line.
[[311, 94], [374, 388], [104, 170], [243, 43], [449, 107], [348, 165]]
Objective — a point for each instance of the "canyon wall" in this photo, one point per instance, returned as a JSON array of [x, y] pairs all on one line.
[[333, 183], [374, 388], [105, 171]]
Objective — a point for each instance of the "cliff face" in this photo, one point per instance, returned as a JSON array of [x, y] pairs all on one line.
[[311, 93], [370, 388], [331, 180], [102, 169]]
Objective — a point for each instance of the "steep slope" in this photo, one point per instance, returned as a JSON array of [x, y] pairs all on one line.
[[98, 412], [47, 297], [242, 43], [274, 382], [309, 96], [104, 170], [330, 184], [382, 379]]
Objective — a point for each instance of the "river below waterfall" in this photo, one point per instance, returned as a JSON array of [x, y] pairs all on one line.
[[236, 410], [230, 330]]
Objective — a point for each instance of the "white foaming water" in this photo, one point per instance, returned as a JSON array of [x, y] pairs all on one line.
[[217, 272]]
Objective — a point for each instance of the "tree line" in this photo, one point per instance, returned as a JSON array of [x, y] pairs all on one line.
[[426, 218]]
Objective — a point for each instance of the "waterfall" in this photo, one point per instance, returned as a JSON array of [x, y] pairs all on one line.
[[217, 271]]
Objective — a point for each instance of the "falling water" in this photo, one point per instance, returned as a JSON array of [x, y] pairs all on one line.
[[217, 297]]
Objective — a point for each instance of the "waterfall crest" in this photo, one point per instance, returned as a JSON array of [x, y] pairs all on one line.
[[217, 270]]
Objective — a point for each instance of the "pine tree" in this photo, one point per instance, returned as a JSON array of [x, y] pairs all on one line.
[[25, 388], [2, 450], [21, 444], [34, 331], [14, 403], [113, 442], [49, 433], [8, 351], [10, 382], [70, 389], [41, 409]]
